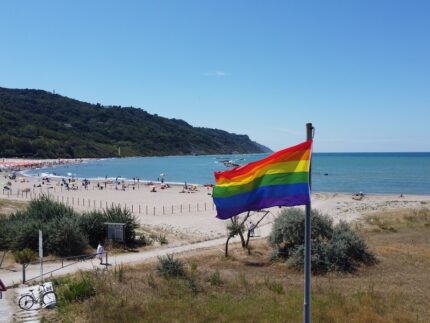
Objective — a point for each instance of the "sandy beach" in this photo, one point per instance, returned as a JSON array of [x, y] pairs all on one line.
[[187, 216]]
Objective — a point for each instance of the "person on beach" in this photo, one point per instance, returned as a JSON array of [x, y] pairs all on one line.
[[100, 252], [251, 229]]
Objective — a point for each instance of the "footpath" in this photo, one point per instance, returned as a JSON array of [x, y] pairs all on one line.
[[9, 310]]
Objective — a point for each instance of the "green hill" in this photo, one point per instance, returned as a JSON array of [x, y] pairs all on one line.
[[40, 124]]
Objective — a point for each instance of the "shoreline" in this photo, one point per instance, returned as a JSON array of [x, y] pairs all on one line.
[[148, 182], [20, 165]]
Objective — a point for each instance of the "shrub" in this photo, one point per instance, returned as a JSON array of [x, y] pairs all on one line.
[[65, 238], [25, 234], [319, 261], [92, 225], [5, 233], [215, 278], [144, 240], [44, 209], [162, 239], [288, 230], [24, 256], [65, 232], [58, 223], [334, 248], [170, 267], [192, 283], [347, 249], [235, 228]]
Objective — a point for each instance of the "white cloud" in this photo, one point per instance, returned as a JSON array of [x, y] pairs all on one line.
[[216, 73]]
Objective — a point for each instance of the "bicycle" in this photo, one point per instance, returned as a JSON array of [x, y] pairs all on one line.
[[45, 298]]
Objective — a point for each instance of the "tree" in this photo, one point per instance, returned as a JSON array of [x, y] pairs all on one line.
[[237, 227]]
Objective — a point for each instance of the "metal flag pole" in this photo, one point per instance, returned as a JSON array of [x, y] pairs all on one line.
[[41, 255], [308, 225]]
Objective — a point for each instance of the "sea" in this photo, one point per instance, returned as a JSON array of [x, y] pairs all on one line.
[[399, 173]]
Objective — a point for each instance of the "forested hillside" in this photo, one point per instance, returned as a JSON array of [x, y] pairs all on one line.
[[39, 124]]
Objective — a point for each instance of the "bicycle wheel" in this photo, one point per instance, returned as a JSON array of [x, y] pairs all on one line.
[[49, 299], [26, 302]]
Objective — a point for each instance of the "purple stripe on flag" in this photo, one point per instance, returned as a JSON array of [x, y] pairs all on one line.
[[290, 200]]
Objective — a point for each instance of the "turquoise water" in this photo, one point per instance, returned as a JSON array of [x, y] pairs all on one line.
[[407, 173]]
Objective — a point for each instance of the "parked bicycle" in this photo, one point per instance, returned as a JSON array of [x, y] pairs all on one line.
[[45, 298]]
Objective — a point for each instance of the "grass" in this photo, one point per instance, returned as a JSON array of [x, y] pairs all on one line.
[[8, 207], [393, 221], [254, 289]]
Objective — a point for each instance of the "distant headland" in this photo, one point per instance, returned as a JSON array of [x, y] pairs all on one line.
[[40, 124]]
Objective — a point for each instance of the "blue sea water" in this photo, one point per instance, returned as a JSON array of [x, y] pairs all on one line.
[[407, 173]]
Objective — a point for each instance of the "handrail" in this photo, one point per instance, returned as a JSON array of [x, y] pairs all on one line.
[[83, 256], [79, 258]]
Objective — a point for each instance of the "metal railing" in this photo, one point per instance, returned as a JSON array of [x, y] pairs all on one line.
[[74, 259]]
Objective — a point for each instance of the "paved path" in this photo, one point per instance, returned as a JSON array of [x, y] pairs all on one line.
[[10, 278], [7, 307], [9, 310]]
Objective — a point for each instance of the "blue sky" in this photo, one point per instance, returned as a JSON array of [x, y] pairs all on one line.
[[359, 70]]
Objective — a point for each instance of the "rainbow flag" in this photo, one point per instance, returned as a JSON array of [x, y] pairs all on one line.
[[281, 179]]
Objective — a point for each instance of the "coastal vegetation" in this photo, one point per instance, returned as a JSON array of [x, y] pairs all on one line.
[[253, 288], [66, 232], [39, 124], [334, 247]]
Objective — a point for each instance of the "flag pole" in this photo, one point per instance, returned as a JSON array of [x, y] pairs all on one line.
[[308, 224]]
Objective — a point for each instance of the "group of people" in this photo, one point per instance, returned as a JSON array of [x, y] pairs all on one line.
[[188, 188]]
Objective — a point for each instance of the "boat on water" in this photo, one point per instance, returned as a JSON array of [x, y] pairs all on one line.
[[229, 163]]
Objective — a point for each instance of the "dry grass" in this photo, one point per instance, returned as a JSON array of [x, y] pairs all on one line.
[[7, 260], [8, 206], [254, 289]]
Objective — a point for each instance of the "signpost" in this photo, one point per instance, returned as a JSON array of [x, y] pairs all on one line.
[[116, 231], [41, 254]]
